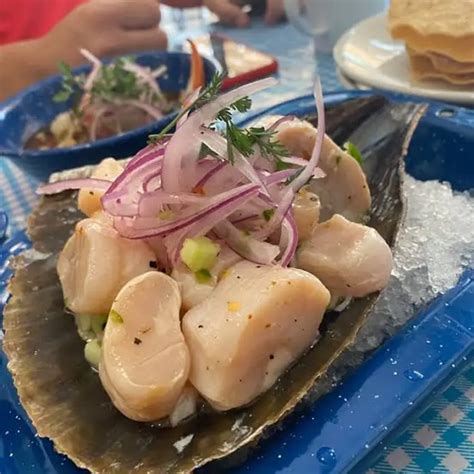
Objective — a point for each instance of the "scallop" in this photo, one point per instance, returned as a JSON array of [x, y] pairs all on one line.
[[344, 189], [145, 361], [306, 207], [88, 200], [96, 262], [253, 326], [194, 292], [350, 259]]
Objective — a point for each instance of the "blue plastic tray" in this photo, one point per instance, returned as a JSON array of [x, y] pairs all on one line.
[[340, 431]]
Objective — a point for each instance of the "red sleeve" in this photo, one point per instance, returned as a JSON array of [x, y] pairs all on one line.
[[28, 19]]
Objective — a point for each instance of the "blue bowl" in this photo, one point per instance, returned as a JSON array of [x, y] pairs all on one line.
[[33, 109]]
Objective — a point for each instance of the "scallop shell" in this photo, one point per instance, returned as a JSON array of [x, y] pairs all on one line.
[[64, 397]]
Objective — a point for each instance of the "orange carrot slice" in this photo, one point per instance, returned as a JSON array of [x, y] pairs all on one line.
[[196, 77]]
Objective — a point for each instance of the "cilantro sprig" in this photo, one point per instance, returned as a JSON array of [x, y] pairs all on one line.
[[243, 140], [210, 92], [354, 152]]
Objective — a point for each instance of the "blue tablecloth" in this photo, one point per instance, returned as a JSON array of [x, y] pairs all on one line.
[[441, 438]]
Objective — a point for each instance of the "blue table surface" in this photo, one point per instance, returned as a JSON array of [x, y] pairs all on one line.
[[440, 438]]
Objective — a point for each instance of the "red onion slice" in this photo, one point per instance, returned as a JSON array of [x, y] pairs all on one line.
[[96, 66], [280, 121], [318, 146], [183, 149], [150, 204], [219, 144], [221, 205], [245, 245], [71, 184], [289, 240]]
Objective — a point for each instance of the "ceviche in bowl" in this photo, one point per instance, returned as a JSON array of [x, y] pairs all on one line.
[[107, 108], [213, 277]]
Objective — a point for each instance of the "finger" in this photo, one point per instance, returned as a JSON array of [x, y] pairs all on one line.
[[141, 40], [275, 11], [228, 12], [133, 14]]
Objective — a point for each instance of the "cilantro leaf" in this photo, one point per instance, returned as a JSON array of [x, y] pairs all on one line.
[[268, 214], [354, 152]]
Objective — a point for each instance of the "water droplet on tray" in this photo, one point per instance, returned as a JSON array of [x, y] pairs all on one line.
[[412, 374], [326, 456]]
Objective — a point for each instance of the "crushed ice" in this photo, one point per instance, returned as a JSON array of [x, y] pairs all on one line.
[[435, 245]]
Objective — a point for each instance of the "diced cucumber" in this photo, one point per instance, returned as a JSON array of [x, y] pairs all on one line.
[[93, 352], [199, 253], [98, 325]]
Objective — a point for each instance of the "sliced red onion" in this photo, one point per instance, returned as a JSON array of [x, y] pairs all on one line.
[[294, 160], [150, 204], [96, 66], [219, 144], [245, 245], [71, 184], [158, 246], [97, 115], [281, 120], [218, 207], [278, 176], [183, 149], [308, 171], [289, 240], [149, 109], [242, 219], [140, 165], [280, 212], [146, 75], [153, 181], [187, 103], [215, 169]]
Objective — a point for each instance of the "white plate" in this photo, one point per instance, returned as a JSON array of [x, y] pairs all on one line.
[[368, 55]]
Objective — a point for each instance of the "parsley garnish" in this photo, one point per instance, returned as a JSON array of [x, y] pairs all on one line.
[[354, 152]]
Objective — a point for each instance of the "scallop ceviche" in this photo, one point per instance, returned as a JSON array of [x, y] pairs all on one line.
[[205, 264]]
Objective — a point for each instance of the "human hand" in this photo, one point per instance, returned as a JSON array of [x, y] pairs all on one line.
[[106, 27], [230, 11]]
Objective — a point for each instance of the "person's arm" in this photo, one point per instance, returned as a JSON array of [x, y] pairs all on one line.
[[22, 64], [104, 27]]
